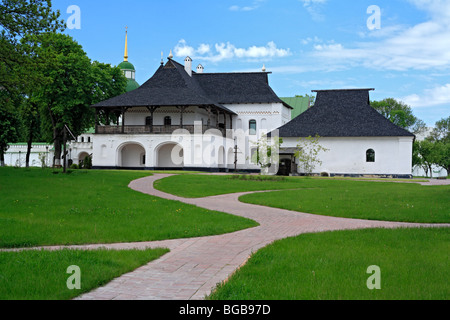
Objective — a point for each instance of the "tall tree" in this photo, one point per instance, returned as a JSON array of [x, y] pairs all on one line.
[[75, 84], [441, 131], [17, 19], [426, 151], [399, 113], [442, 155], [9, 123]]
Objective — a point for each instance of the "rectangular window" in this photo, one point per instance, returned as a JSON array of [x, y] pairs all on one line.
[[252, 127]]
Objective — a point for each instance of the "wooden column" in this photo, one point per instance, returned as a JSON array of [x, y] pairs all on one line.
[[96, 117], [225, 121], [231, 121], [209, 116], [152, 111], [217, 121], [123, 119], [182, 109]]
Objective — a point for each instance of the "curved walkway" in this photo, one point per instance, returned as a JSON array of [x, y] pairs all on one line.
[[195, 266]]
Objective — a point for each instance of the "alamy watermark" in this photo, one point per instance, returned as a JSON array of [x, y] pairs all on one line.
[[374, 21], [74, 20], [374, 281], [74, 281], [224, 147]]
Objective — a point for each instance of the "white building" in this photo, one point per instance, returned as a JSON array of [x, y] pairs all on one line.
[[360, 141], [184, 119]]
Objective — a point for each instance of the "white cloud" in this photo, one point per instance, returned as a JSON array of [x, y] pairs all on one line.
[[182, 49], [255, 5], [430, 97], [223, 51], [423, 46], [314, 8]]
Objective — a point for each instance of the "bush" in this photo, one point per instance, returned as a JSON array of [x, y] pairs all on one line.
[[74, 166], [87, 162]]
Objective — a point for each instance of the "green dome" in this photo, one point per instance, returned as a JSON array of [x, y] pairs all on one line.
[[126, 66], [131, 85]]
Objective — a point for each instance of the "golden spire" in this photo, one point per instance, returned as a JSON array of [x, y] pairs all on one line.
[[125, 56]]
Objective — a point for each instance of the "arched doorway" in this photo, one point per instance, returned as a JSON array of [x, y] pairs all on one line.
[[82, 156], [131, 155], [169, 155]]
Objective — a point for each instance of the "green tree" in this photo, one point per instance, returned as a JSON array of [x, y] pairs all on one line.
[[17, 19], [308, 153], [442, 155], [9, 123], [427, 152], [75, 85], [400, 114], [441, 131]]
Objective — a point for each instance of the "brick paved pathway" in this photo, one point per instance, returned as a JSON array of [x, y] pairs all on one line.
[[194, 266]]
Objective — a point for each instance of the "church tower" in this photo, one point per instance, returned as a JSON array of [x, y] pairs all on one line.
[[128, 68]]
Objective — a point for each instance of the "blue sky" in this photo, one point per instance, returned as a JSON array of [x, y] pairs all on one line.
[[306, 44]]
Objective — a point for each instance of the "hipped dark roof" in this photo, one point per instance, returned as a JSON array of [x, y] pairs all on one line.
[[172, 86], [342, 113]]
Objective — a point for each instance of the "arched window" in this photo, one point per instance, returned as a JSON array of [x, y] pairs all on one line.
[[89, 139], [167, 121], [148, 121], [370, 155], [252, 127]]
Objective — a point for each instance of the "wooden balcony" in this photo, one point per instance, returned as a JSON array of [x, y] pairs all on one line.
[[149, 129]]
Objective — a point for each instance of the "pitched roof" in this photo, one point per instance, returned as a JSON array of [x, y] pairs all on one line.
[[172, 86], [238, 87], [341, 113]]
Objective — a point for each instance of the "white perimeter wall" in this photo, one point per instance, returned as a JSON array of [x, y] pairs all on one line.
[[393, 155]]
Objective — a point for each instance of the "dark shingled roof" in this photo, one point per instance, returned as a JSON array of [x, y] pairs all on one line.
[[238, 87], [172, 86], [342, 113]]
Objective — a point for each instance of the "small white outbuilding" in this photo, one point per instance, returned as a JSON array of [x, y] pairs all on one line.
[[360, 141]]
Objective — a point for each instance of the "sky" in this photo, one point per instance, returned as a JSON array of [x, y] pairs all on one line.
[[401, 48]]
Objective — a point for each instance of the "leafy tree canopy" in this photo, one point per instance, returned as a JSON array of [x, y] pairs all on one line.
[[400, 114], [19, 18]]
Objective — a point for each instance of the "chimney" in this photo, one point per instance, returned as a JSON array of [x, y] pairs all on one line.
[[188, 65], [200, 68]]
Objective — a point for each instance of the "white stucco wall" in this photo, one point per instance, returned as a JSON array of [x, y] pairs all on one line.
[[199, 151], [393, 155], [268, 117], [41, 154]]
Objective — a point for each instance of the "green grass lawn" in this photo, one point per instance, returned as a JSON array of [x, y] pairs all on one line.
[[211, 185], [42, 275], [390, 201], [38, 207], [414, 265]]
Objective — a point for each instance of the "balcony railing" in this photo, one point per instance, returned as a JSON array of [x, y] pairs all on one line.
[[149, 129]]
